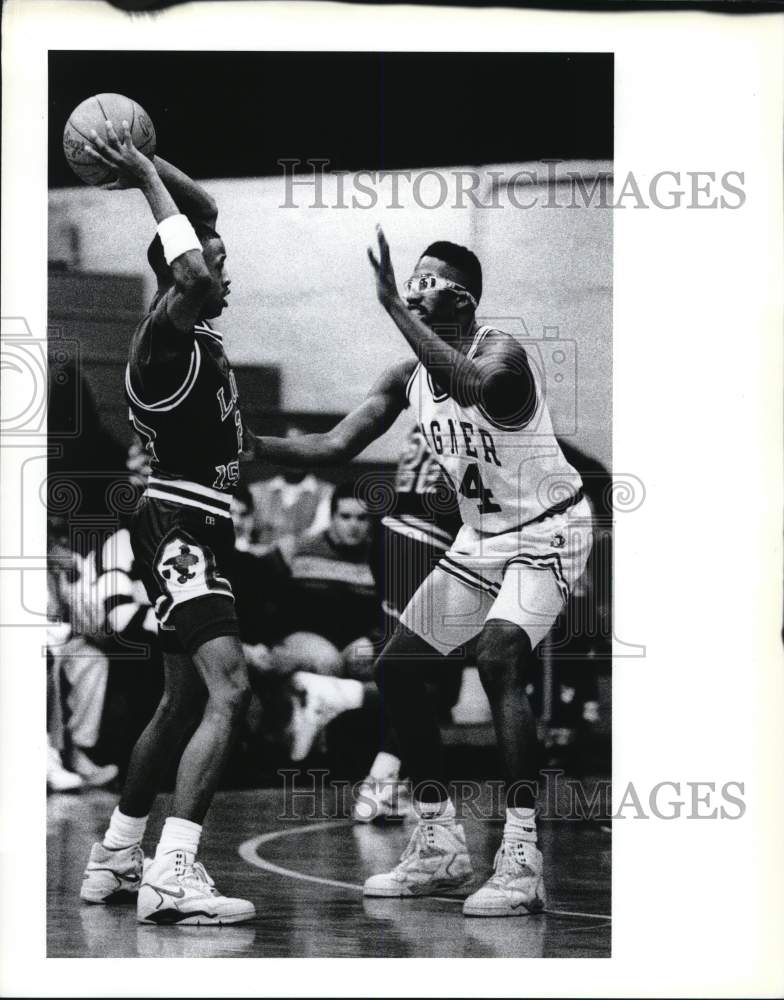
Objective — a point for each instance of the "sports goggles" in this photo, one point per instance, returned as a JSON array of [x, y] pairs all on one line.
[[428, 282]]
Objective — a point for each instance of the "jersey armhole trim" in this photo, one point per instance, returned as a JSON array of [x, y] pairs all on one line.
[[410, 381], [479, 336], [170, 402]]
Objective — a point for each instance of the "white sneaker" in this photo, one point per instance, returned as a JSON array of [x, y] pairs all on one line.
[[94, 775], [317, 701], [112, 875], [381, 800], [435, 861], [517, 886], [177, 890], [58, 778]]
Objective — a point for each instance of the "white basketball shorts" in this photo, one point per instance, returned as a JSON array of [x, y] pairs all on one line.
[[523, 576]]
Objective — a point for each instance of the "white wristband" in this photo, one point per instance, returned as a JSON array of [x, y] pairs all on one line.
[[177, 236]]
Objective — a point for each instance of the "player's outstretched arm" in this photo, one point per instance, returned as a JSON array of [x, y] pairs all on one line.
[[192, 282], [372, 418], [190, 197], [499, 381]]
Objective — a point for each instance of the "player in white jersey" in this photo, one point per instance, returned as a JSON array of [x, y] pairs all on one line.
[[481, 407]]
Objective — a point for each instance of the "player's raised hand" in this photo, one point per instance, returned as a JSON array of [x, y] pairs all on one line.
[[118, 152], [386, 286]]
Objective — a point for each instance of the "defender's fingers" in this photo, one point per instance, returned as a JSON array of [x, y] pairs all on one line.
[[372, 258]]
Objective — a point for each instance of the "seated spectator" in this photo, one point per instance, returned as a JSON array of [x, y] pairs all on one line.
[[331, 592], [327, 621], [74, 660], [290, 506], [104, 664]]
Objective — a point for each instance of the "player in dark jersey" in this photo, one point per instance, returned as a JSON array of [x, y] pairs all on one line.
[[184, 402]]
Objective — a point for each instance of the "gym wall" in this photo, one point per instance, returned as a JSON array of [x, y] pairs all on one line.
[[303, 297]]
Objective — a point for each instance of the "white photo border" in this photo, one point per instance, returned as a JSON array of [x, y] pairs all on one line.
[[697, 906]]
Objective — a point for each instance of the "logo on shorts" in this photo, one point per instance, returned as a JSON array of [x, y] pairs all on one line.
[[181, 564], [558, 541]]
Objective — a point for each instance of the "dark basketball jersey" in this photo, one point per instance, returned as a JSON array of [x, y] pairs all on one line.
[[187, 413]]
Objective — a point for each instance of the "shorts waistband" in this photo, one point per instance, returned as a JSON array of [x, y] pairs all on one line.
[[189, 494], [557, 508]]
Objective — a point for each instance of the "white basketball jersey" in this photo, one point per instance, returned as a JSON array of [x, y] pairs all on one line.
[[504, 477]]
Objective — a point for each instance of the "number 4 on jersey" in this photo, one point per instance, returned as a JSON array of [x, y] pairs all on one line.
[[473, 488]]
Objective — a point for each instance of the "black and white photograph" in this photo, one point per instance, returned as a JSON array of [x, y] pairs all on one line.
[[381, 387], [330, 510]]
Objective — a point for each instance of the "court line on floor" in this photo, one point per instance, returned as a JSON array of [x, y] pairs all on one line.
[[248, 851]]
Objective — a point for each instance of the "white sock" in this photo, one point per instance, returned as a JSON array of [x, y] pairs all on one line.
[[435, 812], [179, 835], [520, 825], [386, 767], [123, 831]]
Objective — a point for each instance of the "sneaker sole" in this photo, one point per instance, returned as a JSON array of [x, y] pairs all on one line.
[[431, 889], [521, 910], [116, 896], [176, 918]]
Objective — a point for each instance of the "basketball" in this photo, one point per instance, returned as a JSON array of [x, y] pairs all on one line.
[[93, 114]]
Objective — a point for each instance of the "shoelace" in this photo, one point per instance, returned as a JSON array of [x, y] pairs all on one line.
[[193, 874], [424, 835], [510, 859], [198, 870]]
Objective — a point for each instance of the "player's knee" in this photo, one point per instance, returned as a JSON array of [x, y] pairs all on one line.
[[228, 683], [180, 709], [501, 655], [230, 696], [400, 660], [391, 673]]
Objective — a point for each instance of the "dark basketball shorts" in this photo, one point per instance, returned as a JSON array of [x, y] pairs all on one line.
[[184, 557]]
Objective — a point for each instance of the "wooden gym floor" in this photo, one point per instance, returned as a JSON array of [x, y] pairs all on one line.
[[305, 876]]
